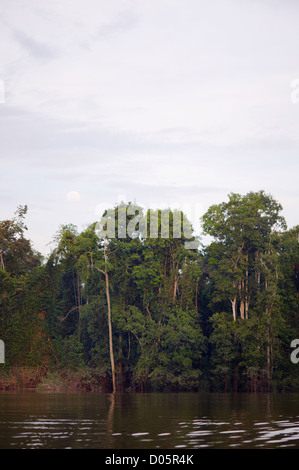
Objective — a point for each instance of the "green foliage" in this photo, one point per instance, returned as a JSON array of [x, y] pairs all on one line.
[[16, 254], [224, 315], [71, 353]]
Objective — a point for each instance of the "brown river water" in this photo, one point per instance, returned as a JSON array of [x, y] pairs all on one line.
[[31, 420]]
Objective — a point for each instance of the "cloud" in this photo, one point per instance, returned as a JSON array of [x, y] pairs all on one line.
[[123, 21], [34, 47], [150, 99]]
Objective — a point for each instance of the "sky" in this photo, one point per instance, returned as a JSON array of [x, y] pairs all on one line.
[[166, 103]]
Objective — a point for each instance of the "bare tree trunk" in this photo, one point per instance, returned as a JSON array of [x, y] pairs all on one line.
[[2, 261], [246, 308], [246, 291], [110, 333], [242, 309], [234, 308], [242, 306], [109, 321], [79, 305], [247, 297], [109, 315], [257, 273], [175, 287]]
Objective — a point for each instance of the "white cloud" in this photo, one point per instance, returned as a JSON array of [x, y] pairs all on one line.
[[160, 100]]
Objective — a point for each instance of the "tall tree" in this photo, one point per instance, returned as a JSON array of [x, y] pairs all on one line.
[[242, 229]]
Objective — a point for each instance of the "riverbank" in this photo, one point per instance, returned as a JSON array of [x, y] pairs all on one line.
[[35, 378], [93, 380]]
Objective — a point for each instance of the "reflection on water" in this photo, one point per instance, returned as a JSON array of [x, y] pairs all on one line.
[[148, 421]]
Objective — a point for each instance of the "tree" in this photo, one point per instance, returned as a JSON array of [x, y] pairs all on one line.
[[105, 272], [16, 253], [244, 269], [243, 230], [144, 312]]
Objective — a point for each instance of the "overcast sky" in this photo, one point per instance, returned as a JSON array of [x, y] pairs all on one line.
[[161, 102]]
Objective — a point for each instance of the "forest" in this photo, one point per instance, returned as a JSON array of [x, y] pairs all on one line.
[[138, 314]]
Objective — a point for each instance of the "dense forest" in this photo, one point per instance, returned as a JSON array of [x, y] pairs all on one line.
[[136, 313]]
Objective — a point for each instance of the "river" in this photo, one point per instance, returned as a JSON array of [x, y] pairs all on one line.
[[148, 421]]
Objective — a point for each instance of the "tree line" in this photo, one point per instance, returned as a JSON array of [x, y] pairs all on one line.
[[147, 313]]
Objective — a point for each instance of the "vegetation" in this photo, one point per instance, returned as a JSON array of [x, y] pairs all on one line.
[[142, 313]]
